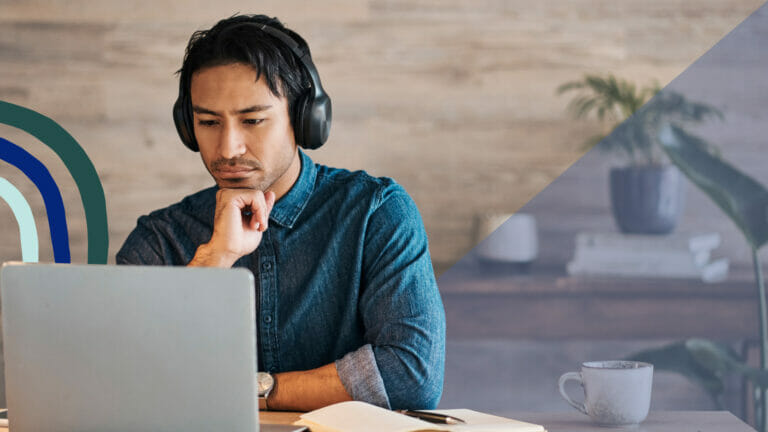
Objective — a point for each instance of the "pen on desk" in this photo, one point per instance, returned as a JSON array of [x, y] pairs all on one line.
[[432, 417]]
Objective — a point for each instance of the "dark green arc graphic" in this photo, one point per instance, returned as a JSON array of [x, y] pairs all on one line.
[[80, 167]]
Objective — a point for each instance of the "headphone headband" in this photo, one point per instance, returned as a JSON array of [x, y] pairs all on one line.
[[302, 55]]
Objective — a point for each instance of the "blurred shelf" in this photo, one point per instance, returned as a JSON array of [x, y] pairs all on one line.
[[492, 302]]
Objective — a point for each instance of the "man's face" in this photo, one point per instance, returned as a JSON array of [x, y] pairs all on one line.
[[243, 130]]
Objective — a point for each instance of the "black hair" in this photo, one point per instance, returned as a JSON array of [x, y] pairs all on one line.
[[240, 39]]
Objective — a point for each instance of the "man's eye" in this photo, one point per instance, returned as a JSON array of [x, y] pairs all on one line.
[[253, 121], [206, 122]]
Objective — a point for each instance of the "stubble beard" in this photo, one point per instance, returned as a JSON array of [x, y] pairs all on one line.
[[264, 184]]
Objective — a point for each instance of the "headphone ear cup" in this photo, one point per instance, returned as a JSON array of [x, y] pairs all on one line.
[[182, 118], [317, 121], [299, 120]]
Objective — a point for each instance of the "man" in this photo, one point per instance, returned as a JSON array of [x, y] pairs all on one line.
[[347, 303]]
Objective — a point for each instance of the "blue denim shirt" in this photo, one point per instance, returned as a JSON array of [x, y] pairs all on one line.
[[342, 274]]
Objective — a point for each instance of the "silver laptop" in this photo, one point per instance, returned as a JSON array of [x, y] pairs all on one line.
[[128, 348]]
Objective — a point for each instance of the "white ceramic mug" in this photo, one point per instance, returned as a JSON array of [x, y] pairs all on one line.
[[616, 392]]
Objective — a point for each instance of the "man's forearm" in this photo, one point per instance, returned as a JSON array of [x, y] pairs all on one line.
[[307, 390], [206, 256]]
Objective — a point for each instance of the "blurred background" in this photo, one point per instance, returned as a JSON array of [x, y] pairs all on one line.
[[622, 256], [455, 100]]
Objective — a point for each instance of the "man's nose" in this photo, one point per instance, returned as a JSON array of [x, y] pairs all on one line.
[[232, 142]]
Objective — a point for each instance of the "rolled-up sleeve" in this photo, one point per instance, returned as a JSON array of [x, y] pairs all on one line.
[[401, 309], [361, 378]]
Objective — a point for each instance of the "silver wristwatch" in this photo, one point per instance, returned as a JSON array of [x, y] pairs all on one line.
[[266, 384]]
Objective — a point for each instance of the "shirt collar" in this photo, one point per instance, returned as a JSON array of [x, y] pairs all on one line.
[[288, 208]]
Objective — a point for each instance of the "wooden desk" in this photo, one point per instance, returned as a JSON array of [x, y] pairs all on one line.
[[278, 417], [657, 421]]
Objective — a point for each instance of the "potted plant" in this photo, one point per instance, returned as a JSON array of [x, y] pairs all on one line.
[[745, 201], [647, 193]]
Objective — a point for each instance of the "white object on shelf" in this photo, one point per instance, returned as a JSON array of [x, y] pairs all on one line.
[[678, 255], [508, 238]]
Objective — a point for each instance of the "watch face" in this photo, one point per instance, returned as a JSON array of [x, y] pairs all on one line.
[[266, 382]]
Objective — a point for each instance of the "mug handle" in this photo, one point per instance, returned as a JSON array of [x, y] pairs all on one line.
[[575, 376]]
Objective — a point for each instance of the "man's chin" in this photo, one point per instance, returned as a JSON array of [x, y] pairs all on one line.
[[238, 183]]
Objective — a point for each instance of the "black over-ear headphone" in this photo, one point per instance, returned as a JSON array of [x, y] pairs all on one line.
[[312, 110]]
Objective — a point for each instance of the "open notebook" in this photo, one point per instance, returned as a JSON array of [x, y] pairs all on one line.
[[360, 416]]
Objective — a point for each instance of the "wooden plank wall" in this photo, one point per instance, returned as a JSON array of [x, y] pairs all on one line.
[[453, 99]]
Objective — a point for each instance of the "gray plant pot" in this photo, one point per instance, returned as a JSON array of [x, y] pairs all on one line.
[[647, 199]]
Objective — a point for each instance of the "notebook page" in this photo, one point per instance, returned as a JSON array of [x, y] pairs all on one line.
[[481, 422], [359, 416]]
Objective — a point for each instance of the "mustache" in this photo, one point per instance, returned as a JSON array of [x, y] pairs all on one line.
[[237, 161]]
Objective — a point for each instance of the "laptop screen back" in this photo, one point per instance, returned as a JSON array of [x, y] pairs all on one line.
[[124, 348]]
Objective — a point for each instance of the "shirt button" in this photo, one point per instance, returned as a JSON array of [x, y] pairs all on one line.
[[268, 319], [267, 265]]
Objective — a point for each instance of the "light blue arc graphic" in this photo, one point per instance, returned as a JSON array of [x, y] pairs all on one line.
[[30, 251], [54, 205]]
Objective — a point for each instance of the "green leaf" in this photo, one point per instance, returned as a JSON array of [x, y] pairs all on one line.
[[722, 358], [712, 356], [703, 362], [569, 86], [757, 376], [621, 104], [742, 198], [676, 357]]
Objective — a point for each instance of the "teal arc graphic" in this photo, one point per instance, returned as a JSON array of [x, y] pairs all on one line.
[[77, 163], [25, 219], [54, 205]]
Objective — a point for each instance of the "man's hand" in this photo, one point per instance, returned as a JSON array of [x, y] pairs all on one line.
[[241, 217]]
